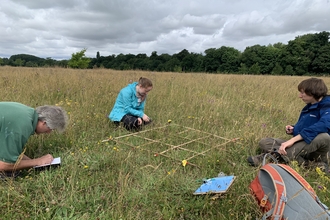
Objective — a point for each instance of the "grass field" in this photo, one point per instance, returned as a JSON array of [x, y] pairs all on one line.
[[220, 118]]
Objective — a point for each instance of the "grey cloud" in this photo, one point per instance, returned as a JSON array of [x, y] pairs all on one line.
[[299, 16], [204, 25], [60, 28], [41, 4]]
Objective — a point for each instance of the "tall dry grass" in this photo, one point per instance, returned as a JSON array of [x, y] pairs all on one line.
[[124, 179]]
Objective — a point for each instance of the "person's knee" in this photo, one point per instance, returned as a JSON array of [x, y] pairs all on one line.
[[266, 144], [263, 142], [323, 136], [323, 139]]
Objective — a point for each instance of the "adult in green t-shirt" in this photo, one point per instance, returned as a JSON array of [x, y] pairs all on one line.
[[17, 123]]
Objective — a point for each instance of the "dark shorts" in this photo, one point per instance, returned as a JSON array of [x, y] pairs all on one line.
[[131, 123], [9, 174]]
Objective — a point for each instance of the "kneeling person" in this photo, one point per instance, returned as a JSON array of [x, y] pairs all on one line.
[[17, 123], [129, 105]]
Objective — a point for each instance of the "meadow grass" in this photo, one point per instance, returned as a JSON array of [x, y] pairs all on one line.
[[124, 178]]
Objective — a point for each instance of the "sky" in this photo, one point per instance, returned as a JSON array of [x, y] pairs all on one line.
[[59, 28]]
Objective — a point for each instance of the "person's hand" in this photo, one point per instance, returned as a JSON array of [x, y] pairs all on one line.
[[281, 150], [146, 118], [139, 121], [283, 146], [46, 159], [289, 129]]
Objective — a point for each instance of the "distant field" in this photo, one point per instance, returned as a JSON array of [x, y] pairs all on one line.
[[220, 118]]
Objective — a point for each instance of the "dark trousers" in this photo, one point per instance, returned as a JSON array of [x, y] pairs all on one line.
[[300, 151], [9, 174], [130, 122]]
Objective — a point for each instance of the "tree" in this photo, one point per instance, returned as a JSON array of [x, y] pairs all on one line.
[[119, 62], [295, 55], [173, 65], [5, 61], [265, 56], [30, 64], [163, 58], [79, 60], [277, 70], [49, 62], [212, 60], [254, 69], [289, 70], [243, 69], [154, 61], [139, 61], [192, 63], [18, 62], [321, 63], [62, 63], [301, 53], [229, 60], [181, 55], [22, 59]]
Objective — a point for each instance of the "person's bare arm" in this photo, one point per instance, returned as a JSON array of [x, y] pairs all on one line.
[[289, 143], [26, 157], [26, 162]]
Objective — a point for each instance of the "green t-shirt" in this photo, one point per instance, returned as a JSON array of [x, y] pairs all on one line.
[[17, 123]]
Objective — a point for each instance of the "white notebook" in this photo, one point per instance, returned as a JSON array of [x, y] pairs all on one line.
[[55, 162]]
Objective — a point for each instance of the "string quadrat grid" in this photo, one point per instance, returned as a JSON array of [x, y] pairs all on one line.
[[176, 142]]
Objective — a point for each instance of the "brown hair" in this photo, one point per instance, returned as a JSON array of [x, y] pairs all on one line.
[[144, 82], [313, 87]]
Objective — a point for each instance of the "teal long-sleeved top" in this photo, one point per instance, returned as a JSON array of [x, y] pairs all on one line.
[[17, 123], [127, 103]]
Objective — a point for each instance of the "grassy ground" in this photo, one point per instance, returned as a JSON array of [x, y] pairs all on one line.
[[127, 177]]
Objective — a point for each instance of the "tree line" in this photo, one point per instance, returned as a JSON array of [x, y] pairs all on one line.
[[305, 55]]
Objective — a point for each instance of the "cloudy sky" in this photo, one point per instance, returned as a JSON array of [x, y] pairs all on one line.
[[58, 28]]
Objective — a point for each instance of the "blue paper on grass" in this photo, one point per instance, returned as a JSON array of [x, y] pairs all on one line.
[[215, 185]]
